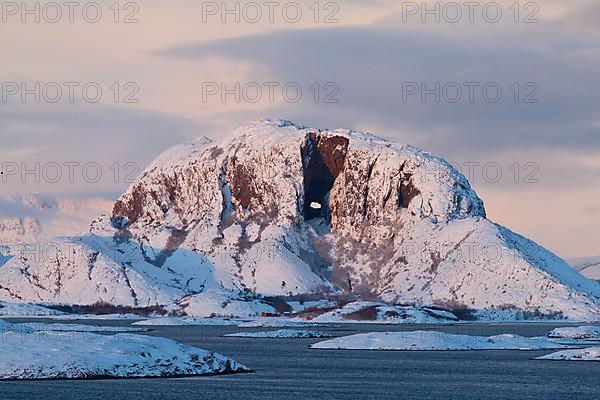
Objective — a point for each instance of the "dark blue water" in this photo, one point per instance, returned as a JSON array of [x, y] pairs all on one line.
[[287, 369]]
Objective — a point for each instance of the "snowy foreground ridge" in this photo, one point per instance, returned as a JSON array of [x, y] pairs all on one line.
[[576, 332], [28, 355], [431, 340], [279, 209], [588, 354]]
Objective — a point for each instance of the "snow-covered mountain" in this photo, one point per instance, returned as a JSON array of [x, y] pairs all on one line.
[[587, 266], [33, 221], [36, 217], [280, 209]]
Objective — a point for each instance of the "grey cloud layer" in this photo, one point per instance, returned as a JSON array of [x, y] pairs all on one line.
[[370, 64], [103, 134]]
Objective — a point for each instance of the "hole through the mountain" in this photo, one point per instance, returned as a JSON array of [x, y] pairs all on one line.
[[323, 159], [315, 205]]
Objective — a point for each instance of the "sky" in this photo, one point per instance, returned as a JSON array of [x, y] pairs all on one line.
[[505, 91]]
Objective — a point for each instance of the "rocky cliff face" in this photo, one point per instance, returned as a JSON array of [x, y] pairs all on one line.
[[283, 209]]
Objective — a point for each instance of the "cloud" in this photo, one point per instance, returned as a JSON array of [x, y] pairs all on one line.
[[85, 133]]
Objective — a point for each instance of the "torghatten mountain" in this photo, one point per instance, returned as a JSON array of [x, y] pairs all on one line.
[[280, 209]]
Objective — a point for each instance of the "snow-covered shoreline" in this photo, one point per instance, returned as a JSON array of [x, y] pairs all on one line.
[[586, 332], [28, 354], [435, 341], [587, 354]]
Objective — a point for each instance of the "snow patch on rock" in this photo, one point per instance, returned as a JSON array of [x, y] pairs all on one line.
[[431, 340], [213, 303], [376, 312]]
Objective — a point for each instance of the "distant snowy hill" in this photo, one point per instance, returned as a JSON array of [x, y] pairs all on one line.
[[36, 220], [587, 266], [37, 217], [280, 209]]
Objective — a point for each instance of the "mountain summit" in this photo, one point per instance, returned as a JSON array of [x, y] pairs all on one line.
[[281, 209]]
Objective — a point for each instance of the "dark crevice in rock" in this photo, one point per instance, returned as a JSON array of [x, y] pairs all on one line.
[[128, 283], [12, 294], [408, 190], [92, 259], [58, 273], [227, 216], [323, 159]]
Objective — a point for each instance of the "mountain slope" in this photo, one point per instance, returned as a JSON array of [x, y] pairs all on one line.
[[279, 209]]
